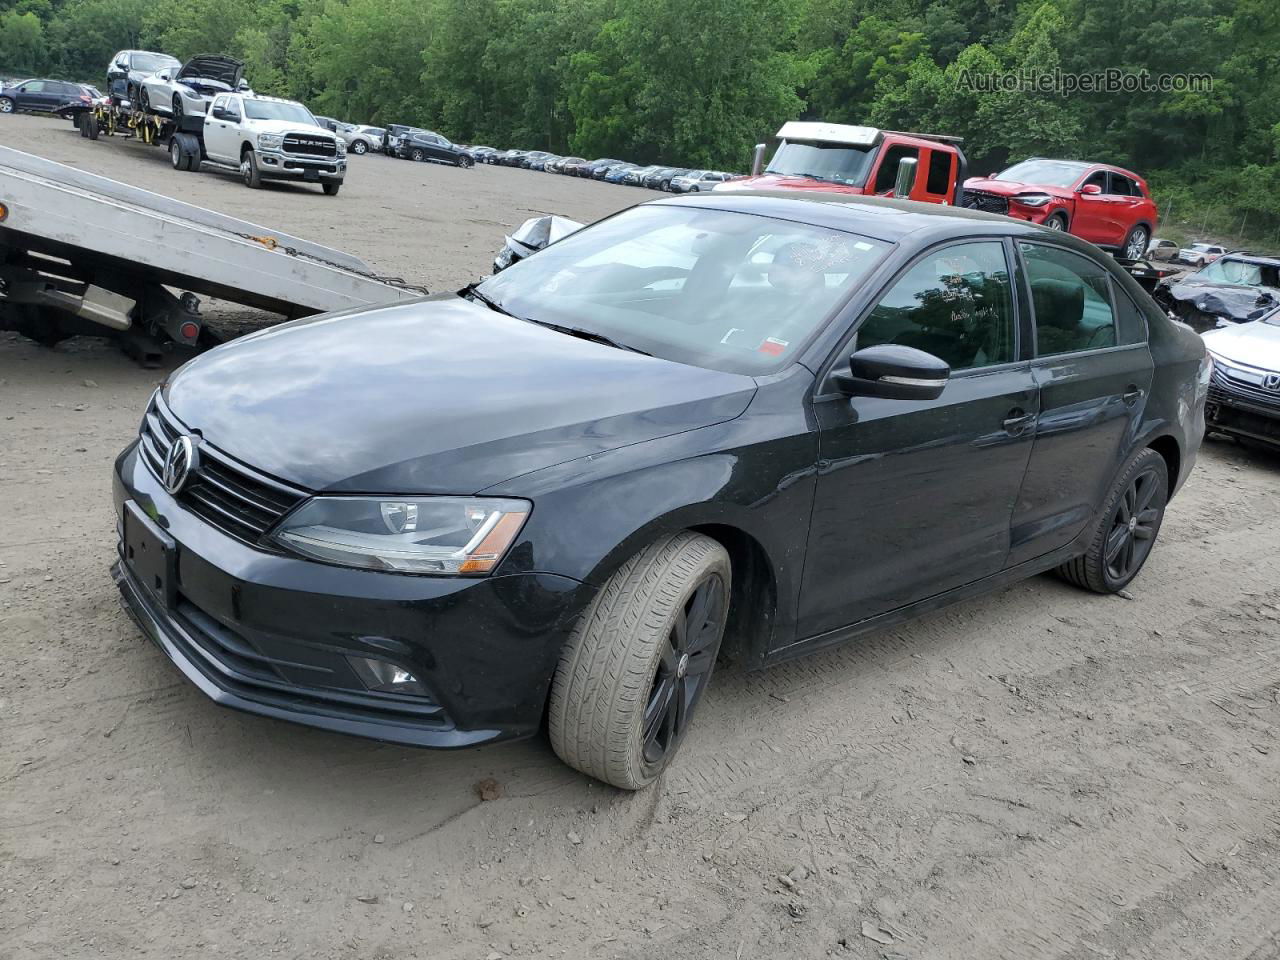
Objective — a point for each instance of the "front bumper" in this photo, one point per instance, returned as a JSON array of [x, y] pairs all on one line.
[[270, 634], [1242, 408], [278, 165]]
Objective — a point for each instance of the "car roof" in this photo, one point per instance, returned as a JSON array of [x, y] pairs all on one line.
[[882, 218], [1251, 258]]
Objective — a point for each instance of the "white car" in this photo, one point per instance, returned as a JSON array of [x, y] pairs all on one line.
[[187, 90], [267, 138], [1198, 254], [361, 138], [1244, 389]]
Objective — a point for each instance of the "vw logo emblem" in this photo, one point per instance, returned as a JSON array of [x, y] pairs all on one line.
[[1271, 381], [178, 463]]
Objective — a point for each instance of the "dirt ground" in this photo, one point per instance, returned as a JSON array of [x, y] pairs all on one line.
[[1042, 773]]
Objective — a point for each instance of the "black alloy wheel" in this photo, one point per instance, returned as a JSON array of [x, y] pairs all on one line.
[[684, 668], [1133, 526]]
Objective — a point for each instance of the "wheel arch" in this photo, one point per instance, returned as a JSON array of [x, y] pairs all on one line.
[[1167, 446]]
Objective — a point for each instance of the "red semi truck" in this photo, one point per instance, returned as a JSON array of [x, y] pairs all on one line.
[[862, 160]]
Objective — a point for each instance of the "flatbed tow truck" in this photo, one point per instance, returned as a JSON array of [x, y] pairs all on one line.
[[84, 254]]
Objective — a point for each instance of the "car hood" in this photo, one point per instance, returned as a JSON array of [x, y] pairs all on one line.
[[1230, 300], [1254, 344], [221, 69], [440, 395], [1010, 188], [778, 181]]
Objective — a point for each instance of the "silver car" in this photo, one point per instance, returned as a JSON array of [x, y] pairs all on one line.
[[188, 90], [361, 138], [1244, 389], [129, 68]]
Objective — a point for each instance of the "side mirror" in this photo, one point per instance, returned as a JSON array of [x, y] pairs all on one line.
[[757, 160], [218, 113], [1091, 189], [894, 372], [906, 179], [242, 86]]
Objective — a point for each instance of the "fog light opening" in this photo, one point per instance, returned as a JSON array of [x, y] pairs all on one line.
[[382, 676]]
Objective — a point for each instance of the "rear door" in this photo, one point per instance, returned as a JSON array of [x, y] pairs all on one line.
[[1094, 370], [222, 133], [913, 498], [1126, 206]]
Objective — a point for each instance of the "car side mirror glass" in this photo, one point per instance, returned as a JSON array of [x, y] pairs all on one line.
[[905, 181], [1091, 189], [894, 372]]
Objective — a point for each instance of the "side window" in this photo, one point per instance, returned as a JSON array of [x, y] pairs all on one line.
[[1132, 324], [887, 175], [1072, 300], [1098, 180], [219, 103], [955, 303], [1121, 186], [35, 86], [939, 180]]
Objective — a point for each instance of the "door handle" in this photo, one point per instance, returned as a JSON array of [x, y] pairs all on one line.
[[1133, 394], [1017, 421]]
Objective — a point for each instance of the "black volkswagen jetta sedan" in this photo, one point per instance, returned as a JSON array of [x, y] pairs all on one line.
[[771, 422]]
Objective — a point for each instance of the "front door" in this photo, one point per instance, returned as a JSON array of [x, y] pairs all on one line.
[[914, 497], [32, 95], [1093, 214], [1094, 371]]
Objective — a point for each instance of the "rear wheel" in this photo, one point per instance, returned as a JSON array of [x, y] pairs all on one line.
[[82, 123], [91, 124], [639, 660], [144, 102], [177, 108], [417, 155], [1135, 245], [7, 105], [177, 157], [1127, 532]]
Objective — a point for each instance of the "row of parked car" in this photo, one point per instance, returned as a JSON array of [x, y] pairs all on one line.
[[608, 169]]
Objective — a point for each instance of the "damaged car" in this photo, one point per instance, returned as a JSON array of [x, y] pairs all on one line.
[[755, 422], [1233, 288], [1244, 392], [188, 90]]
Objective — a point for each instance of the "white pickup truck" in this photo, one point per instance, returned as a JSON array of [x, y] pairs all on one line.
[[265, 138]]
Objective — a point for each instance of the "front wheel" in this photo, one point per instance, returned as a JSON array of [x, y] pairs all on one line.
[[249, 172], [359, 148], [177, 108], [1056, 222], [1135, 245], [1130, 522], [465, 162], [639, 660], [330, 189]]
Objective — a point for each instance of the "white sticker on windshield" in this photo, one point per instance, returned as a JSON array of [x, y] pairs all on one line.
[[862, 245]]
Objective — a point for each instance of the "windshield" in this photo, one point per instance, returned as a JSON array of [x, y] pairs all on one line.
[[273, 110], [1241, 273], [151, 62], [834, 162], [1049, 173], [729, 291]]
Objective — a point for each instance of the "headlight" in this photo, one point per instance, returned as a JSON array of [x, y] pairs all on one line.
[[342, 147], [442, 535], [1033, 199], [270, 141]]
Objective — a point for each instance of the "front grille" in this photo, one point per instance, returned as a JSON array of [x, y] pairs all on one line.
[[226, 494], [987, 202], [1226, 387], [308, 146]]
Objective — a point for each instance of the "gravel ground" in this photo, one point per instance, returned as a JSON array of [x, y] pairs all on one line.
[[1039, 773]]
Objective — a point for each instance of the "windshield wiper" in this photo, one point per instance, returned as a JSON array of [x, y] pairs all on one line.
[[810, 176], [584, 334], [470, 291]]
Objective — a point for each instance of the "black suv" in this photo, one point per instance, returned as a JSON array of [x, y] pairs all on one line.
[[429, 146], [40, 96]]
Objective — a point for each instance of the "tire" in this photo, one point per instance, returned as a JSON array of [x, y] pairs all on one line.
[[1056, 222], [417, 155], [177, 108], [1119, 547], [625, 673], [330, 189], [91, 122], [177, 157], [144, 102], [82, 123], [465, 162], [7, 105], [1137, 239], [249, 172], [68, 115], [359, 148]]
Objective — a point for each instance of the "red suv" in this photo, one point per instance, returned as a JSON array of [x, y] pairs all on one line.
[[1109, 206]]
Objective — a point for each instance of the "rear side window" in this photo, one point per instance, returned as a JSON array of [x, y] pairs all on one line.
[[939, 180], [1122, 186], [955, 303], [1071, 297]]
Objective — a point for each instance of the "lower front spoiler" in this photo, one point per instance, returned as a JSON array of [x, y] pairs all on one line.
[[171, 637]]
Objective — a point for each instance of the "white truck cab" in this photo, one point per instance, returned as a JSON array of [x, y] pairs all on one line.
[[267, 138]]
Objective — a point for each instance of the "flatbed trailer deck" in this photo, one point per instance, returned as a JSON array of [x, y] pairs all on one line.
[[81, 253]]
